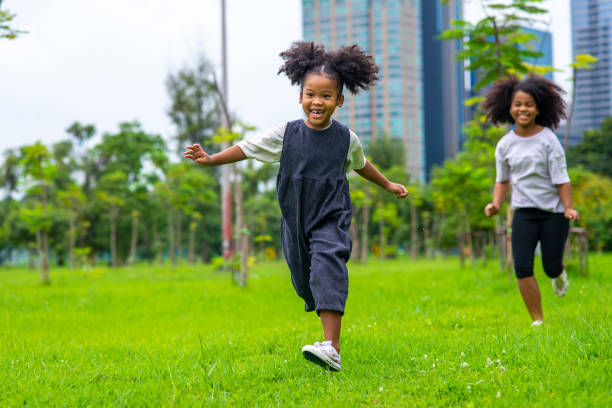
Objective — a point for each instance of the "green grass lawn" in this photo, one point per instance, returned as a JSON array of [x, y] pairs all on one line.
[[423, 333]]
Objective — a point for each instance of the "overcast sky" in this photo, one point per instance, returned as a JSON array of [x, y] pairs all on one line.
[[105, 61]]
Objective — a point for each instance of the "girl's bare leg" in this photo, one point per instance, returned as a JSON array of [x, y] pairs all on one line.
[[331, 327], [531, 296]]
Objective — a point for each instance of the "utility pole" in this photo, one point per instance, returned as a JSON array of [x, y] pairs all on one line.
[[226, 191]]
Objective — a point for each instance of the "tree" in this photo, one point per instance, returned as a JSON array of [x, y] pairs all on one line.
[[37, 167], [594, 153], [496, 45], [195, 107]]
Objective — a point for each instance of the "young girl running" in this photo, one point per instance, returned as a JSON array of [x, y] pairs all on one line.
[[531, 159], [315, 154]]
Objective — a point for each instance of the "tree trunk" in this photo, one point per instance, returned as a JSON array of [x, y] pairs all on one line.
[[134, 240], [178, 220], [205, 251], [157, 247], [240, 224], [414, 240], [171, 237], [112, 216], [44, 255], [426, 236], [72, 240], [355, 236], [468, 235], [193, 225], [365, 220], [440, 233], [44, 258], [461, 249]]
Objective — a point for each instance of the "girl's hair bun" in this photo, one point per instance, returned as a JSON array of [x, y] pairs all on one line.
[[347, 65]]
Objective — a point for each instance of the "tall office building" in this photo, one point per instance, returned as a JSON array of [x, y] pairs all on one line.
[[443, 83], [390, 31], [592, 34]]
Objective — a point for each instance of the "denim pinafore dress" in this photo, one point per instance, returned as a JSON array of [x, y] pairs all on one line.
[[313, 194]]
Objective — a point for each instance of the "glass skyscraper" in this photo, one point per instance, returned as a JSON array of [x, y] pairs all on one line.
[[443, 75], [390, 31], [592, 34]]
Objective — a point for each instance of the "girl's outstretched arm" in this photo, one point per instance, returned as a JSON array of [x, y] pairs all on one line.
[[229, 155], [565, 192], [369, 172], [499, 195]]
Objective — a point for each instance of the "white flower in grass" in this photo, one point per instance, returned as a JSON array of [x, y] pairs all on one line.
[[504, 351], [462, 354], [381, 389], [489, 362], [464, 364], [498, 394], [425, 356], [433, 365], [469, 388]]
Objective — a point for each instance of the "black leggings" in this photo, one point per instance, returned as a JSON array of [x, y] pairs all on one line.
[[531, 225]]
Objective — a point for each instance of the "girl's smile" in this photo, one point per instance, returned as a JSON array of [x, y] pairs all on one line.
[[523, 110], [319, 99]]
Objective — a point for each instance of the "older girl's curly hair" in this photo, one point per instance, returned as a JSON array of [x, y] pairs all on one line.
[[349, 66], [547, 96]]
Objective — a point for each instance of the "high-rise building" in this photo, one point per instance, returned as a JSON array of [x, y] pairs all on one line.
[[592, 34], [390, 31], [443, 83]]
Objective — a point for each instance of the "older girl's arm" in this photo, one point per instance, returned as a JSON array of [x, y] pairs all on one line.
[[565, 192]]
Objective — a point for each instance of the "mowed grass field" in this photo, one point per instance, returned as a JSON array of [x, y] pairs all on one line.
[[415, 334]]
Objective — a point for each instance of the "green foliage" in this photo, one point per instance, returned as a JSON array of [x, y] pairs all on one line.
[[6, 18], [386, 152], [415, 334], [496, 45], [594, 152], [592, 195]]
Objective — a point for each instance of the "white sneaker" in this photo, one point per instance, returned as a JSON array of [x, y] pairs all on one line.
[[537, 323], [560, 284], [323, 354]]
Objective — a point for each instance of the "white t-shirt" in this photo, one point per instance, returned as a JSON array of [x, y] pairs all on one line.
[[267, 147], [535, 165]]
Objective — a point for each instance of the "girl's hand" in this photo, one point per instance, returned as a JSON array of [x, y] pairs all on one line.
[[491, 209], [397, 189], [571, 214], [198, 155]]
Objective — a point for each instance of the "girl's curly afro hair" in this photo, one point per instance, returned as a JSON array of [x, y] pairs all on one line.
[[547, 96]]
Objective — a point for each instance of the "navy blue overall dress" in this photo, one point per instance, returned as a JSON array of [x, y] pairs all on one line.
[[315, 204]]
